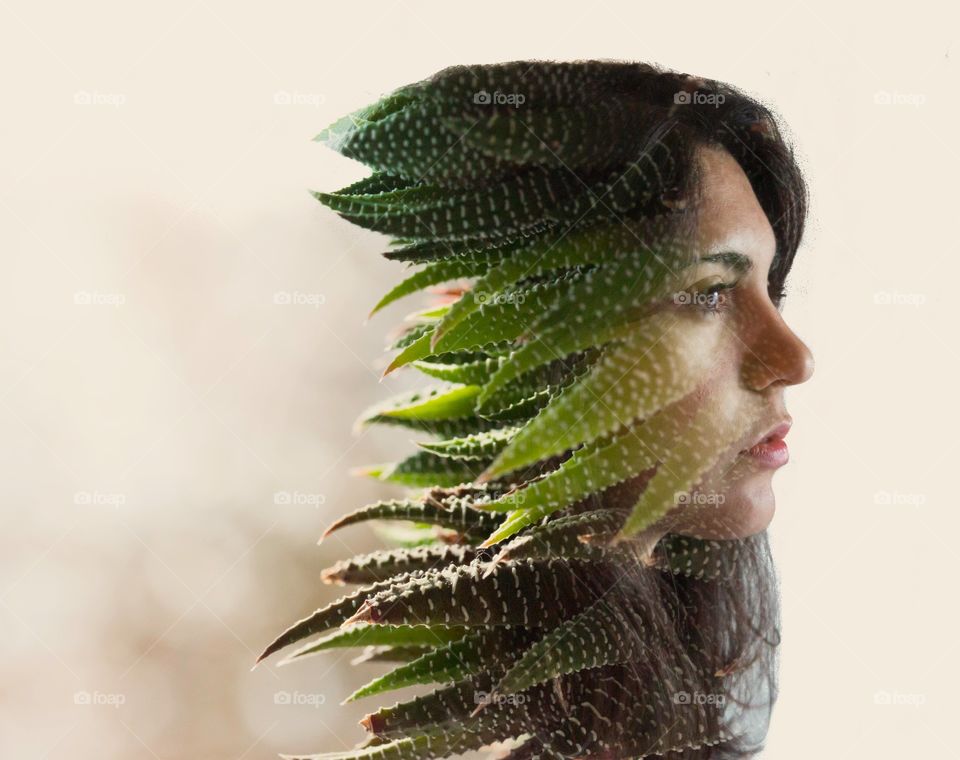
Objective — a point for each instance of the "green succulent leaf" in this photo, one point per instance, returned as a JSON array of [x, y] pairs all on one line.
[[457, 515], [391, 654], [699, 558], [479, 446], [465, 595], [381, 635], [457, 705], [325, 618], [385, 563], [425, 469], [715, 427], [581, 247], [438, 403], [462, 657], [634, 379], [600, 635], [567, 537], [474, 372], [432, 274]]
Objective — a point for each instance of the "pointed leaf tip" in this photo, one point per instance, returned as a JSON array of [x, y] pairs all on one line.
[[493, 564], [370, 470], [484, 476], [371, 722], [436, 337], [481, 706], [366, 614]]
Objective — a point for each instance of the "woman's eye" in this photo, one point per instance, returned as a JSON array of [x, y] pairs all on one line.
[[714, 299], [710, 295]]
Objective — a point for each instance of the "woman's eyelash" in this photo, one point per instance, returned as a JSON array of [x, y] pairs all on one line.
[[716, 299], [713, 299]]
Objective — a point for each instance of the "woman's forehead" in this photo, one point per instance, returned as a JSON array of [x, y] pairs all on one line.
[[730, 217]]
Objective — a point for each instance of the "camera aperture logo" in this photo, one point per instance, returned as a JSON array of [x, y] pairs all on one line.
[[697, 98], [497, 98], [298, 498], [297, 298], [699, 698], [99, 699], [297, 98], [299, 699], [898, 699], [498, 298], [97, 98], [99, 499], [693, 298], [897, 499], [894, 98], [88, 298], [888, 298], [699, 499]]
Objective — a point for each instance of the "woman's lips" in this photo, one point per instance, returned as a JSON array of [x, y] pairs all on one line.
[[772, 451]]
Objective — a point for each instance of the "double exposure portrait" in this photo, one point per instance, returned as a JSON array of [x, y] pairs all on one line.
[[523, 381], [602, 418]]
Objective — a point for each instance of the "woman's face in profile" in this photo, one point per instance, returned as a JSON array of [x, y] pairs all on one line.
[[756, 356]]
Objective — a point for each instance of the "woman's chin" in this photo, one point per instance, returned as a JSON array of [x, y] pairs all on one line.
[[746, 508]]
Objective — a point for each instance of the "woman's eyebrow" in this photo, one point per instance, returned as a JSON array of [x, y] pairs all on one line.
[[737, 261]]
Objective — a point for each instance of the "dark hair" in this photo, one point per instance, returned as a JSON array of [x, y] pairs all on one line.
[[748, 130], [689, 111], [707, 639]]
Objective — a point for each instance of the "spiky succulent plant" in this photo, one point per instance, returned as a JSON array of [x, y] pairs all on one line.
[[555, 433]]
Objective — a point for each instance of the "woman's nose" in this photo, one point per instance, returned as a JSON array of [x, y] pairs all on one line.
[[774, 354]]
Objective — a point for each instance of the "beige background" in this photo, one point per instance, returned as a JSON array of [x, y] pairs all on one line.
[[157, 156]]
